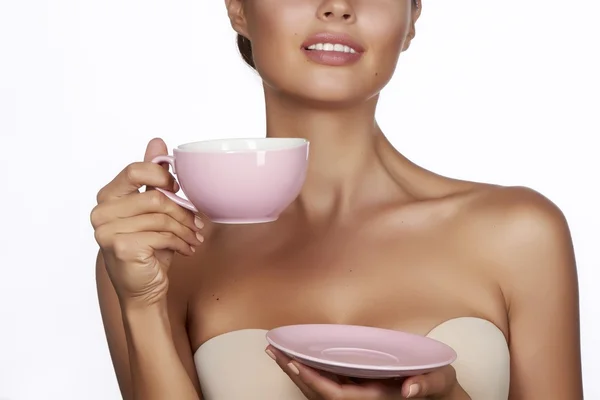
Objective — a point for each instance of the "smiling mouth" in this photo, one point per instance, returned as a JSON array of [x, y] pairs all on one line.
[[333, 47]]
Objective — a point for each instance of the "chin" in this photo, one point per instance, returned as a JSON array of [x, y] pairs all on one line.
[[333, 88], [334, 94]]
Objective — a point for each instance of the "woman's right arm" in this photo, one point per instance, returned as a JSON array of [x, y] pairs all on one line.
[[117, 335], [139, 235]]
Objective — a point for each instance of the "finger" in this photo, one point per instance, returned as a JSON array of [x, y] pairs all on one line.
[[143, 203], [283, 362], [327, 388], [133, 177], [332, 389], [156, 222], [436, 383], [336, 378], [304, 376], [140, 246], [350, 389], [157, 147]]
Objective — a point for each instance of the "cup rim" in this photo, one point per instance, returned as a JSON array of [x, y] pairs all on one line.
[[296, 143]]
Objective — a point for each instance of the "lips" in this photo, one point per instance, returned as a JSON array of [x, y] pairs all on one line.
[[332, 49], [331, 38]]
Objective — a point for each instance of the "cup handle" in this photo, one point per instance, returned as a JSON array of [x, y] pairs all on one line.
[[170, 160]]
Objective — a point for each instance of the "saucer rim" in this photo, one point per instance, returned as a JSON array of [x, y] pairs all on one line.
[[350, 366]]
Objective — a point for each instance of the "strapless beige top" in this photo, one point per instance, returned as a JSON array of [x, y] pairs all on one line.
[[234, 365]]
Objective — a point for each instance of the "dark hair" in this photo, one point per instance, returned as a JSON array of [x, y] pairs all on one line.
[[245, 46]]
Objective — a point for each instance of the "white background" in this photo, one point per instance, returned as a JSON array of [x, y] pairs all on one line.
[[495, 91]]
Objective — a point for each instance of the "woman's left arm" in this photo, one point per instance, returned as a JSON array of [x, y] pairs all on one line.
[[539, 281]]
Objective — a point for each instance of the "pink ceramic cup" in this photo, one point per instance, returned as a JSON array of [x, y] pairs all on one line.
[[239, 181]]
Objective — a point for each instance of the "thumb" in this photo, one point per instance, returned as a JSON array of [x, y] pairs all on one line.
[[156, 147], [435, 383]]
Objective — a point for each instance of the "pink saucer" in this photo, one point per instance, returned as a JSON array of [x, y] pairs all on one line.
[[360, 351]]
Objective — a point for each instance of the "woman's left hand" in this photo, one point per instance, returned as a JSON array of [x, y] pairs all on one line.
[[316, 385]]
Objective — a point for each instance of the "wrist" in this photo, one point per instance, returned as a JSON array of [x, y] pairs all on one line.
[[144, 322], [146, 329], [135, 308]]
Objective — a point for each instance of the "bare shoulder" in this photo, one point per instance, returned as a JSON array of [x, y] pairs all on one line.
[[523, 239], [516, 218], [524, 234], [519, 209], [520, 216]]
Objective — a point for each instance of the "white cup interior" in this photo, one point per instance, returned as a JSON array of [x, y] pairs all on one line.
[[242, 145]]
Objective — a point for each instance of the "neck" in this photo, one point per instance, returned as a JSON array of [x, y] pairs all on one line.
[[345, 158]]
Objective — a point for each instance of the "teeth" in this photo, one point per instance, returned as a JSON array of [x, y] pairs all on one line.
[[331, 47]]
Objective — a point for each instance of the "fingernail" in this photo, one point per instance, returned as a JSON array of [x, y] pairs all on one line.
[[270, 354], [293, 368], [413, 390], [198, 222], [200, 237], [192, 249]]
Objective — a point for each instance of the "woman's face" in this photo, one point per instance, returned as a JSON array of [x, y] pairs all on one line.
[[325, 50]]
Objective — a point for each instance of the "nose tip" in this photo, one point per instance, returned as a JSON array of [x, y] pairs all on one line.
[[333, 15], [336, 10]]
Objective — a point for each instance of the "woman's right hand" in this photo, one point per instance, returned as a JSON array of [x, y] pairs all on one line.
[[139, 232]]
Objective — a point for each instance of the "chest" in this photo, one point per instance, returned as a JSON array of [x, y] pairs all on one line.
[[406, 279]]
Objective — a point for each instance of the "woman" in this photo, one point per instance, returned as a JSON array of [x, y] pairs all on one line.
[[372, 240]]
